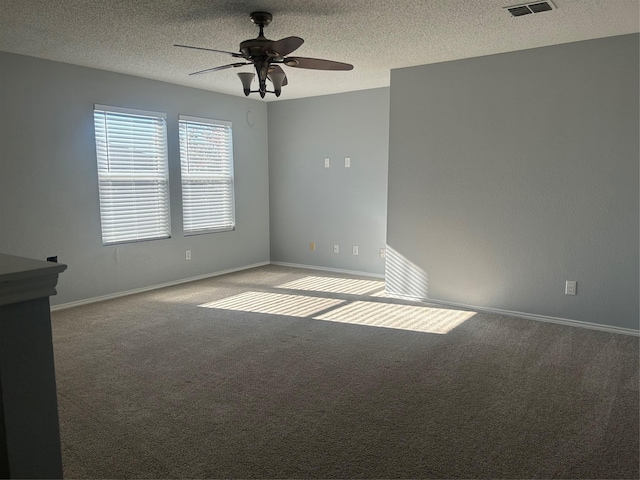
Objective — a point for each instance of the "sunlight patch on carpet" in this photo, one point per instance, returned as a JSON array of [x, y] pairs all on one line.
[[403, 317], [417, 318], [275, 304], [349, 286]]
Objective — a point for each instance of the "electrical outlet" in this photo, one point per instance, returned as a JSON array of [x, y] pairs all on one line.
[[327, 162], [187, 255], [336, 249], [354, 250], [52, 259], [312, 246], [382, 253], [347, 162], [570, 287]]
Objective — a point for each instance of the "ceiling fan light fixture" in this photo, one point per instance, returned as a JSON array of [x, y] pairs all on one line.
[[246, 78], [277, 78]]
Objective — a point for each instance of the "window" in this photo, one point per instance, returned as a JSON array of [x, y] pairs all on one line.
[[206, 159], [133, 176]]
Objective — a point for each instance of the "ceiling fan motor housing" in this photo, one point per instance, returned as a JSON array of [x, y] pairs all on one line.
[[255, 47]]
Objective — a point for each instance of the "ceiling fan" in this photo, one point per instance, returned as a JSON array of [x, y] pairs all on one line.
[[266, 56]]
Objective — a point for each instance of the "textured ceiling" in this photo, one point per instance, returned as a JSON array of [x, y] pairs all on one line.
[[137, 36]]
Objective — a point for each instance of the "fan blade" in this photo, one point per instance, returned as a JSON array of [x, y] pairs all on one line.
[[223, 67], [237, 55], [277, 68], [281, 48], [316, 64]]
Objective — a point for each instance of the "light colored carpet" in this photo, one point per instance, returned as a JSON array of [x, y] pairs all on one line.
[[285, 373]]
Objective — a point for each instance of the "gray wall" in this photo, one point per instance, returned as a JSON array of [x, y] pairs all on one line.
[[48, 181], [338, 205], [512, 173]]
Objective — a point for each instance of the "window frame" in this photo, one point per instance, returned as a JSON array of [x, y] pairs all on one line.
[[136, 185], [189, 179]]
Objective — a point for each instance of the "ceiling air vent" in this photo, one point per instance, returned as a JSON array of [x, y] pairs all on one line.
[[527, 8]]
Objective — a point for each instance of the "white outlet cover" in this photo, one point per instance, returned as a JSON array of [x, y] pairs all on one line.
[[327, 162], [347, 162], [355, 249], [570, 287], [336, 249]]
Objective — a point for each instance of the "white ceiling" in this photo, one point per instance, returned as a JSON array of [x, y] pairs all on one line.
[[137, 36]]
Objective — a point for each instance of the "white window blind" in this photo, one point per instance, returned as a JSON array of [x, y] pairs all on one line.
[[133, 174], [206, 158]]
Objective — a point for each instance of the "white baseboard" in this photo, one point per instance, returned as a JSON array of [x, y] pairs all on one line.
[[153, 287], [496, 311], [328, 269], [528, 316]]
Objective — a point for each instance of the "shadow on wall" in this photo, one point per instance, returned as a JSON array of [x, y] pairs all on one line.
[[404, 278]]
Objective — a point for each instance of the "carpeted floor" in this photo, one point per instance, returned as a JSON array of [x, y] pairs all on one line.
[[285, 373]]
